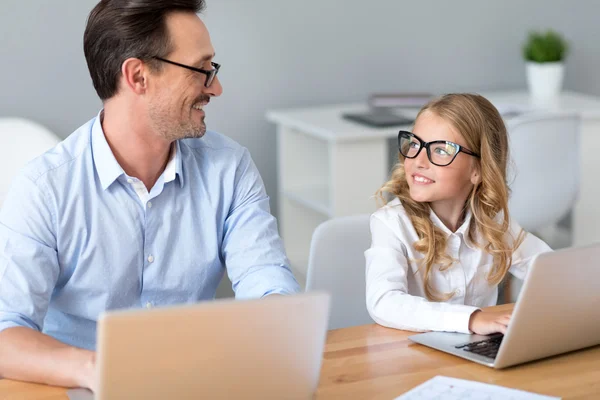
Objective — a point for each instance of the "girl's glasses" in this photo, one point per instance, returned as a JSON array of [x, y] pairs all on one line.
[[439, 152]]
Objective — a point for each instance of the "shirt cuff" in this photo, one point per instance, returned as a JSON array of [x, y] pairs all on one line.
[[457, 320], [265, 281], [12, 324], [282, 292]]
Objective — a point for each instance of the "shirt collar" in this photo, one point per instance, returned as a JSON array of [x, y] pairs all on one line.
[[173, 168], [462, 231], [109, 169], [104, 160], [177, 162]]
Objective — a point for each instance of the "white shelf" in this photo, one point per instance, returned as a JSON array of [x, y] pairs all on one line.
[[326, 123], [297, 226], [315, 197]]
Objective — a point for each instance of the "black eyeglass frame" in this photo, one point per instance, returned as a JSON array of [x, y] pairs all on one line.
[[210, 73], [426, 145]]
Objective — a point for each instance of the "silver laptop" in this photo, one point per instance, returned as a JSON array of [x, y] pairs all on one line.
[[270, 348], [558, 311]]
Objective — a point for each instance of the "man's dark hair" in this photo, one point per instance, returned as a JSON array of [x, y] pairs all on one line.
[[120, 29]]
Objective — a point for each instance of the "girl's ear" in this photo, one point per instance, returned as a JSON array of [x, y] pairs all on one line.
[[476, 174]]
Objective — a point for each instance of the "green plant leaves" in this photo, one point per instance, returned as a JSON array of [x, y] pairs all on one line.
[[545, 47]]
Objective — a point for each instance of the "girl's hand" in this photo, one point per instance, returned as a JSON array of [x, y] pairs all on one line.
[[488, 322]]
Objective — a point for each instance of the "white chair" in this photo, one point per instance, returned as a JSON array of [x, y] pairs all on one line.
[[544, 176], [337, 265], [545, 170], [21, 140]]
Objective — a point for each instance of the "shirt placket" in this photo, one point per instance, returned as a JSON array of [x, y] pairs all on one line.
[[457, 273]]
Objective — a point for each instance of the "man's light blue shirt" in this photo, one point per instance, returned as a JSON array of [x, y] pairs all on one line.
[[76, 239]]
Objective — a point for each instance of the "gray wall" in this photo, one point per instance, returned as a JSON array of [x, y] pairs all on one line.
[[296, 53], [283, 53], [43, 74]]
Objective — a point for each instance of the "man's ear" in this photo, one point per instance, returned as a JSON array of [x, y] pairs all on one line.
[[133, 77]]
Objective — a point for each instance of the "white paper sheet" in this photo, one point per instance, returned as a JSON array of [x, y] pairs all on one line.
[[445, 388]]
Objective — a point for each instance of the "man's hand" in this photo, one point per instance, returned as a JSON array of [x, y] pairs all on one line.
[[88, 372]]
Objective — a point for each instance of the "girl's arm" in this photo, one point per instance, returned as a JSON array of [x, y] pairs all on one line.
[[388, 301], [530, 247]]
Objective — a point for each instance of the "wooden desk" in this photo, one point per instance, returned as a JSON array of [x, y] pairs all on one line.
[[372, 362]]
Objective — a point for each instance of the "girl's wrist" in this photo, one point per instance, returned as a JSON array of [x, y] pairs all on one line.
[[472, 320]]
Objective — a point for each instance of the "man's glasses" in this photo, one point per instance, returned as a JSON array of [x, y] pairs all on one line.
[[210, 74], [439, 152]]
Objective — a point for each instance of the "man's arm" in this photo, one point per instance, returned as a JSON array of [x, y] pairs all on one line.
[[28, 355], [29, 270], [252, 249]]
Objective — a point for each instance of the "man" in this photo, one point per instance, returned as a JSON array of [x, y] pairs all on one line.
[[140, 207]]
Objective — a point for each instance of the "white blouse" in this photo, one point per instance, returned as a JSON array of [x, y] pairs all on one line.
[[395, 292]]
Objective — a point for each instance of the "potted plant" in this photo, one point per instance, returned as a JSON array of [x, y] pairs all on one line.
[[545, 53]]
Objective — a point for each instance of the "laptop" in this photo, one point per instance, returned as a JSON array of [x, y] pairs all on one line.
[[558, 311], [270, 348]]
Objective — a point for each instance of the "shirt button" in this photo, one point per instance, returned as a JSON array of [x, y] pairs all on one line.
[[148, 305], [129, 180], [149, 204], [150, 258]]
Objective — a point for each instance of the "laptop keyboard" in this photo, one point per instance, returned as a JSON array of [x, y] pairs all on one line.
[[488, 347]]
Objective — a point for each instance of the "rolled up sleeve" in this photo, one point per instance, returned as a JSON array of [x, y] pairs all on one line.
[[28, 258], [252, 249]]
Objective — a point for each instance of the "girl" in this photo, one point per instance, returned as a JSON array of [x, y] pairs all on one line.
[[444, 243]]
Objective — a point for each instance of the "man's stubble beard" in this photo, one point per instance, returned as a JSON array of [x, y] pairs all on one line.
[[172, 132]]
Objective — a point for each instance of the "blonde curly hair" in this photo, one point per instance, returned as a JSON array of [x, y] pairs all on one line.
[[484, 132]]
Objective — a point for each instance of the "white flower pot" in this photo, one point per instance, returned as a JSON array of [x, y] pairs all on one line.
[[545, 81]]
